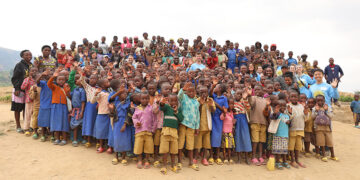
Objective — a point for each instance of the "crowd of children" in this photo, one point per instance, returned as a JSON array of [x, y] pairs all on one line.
[[143, 99]]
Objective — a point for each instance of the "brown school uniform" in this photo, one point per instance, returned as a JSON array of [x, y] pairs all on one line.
[[258, 121]]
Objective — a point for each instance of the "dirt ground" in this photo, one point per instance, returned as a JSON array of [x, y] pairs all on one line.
[[24, 158]]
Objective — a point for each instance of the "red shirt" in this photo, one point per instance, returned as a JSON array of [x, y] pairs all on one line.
[[212, 62]]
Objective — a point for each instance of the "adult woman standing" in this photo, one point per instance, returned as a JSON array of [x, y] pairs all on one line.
[[45, 61], [21, 71]]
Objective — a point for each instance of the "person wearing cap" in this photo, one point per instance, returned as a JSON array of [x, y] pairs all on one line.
[[305, 64], [61, 54]]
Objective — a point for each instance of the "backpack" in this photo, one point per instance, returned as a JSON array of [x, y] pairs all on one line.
[[322, 119]]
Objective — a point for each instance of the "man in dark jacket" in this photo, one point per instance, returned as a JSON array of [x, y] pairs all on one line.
[[332, 72]]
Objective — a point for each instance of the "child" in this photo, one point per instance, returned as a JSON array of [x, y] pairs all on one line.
[[258, 124], [355, 108], [101, 128], [45, 104], [323, 131], [144, 120], [227, 142], [120, 103], [90, 108], [309, 126], [169, 133], [277, 88], [280, 138], [202, 140], [190, 124], [221, 103], [78, 100], [242, 133], [35, 97], [297, 118], [59, 110], [26, 86]]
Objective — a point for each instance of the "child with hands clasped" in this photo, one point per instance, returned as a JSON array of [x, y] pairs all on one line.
[[227, 141], [59, 111], [144, 121], [78, 101]]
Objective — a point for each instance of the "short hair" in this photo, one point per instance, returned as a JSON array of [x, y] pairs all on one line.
[[319, 70], [45, 46], [23, 52]]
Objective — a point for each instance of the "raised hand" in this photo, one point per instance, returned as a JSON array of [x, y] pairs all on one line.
[[289, 109], [334, 83], [98, 90], [326, 107]]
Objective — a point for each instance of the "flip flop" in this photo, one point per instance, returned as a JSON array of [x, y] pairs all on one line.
[[334, 158], [43, 139], [195, 161], [204, 162], [35, 136], [156, 164], [87, 144], [211, 161], [100, 150], [279, 166], [325, 159], [174, 169], [231, 161], [218, 161], [57, 142], [52, 139], [62, 143], [179, 166], [124, 162], [115, 161], [163, 171], [109, 151], [75, 143], [147, 165], [226, 161], [27, 133], [194, 167], [286, 165], [19, 130], [139, 165], [255, 162], [262, 161], [83, 142]]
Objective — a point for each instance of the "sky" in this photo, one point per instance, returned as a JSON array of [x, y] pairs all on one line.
[[321, 28]]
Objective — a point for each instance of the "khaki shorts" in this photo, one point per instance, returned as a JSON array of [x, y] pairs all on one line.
[[202, 140], [143, 143], [309, 137], [324, 138], [34, 118], [157, 137], [295, 143], [188, 133], [258, 133]]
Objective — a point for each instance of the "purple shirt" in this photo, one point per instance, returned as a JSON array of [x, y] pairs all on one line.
[[146, 117]]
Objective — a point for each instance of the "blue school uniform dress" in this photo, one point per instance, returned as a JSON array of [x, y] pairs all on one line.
[[217, 124], [102, 122], [231, 54], [78, 96], [90, 111], [122, 140], [45, 105]]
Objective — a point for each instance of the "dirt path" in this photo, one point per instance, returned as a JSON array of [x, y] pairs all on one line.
[[24, 158]]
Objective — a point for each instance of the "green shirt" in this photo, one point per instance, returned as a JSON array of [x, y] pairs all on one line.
[[71, 80], [170, 118]]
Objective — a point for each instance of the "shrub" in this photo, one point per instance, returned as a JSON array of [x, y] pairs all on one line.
[[346, 98], [5, 98]]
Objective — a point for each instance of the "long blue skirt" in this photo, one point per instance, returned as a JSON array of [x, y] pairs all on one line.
[[44, 117], [74, 123], [122, 140], [216, 131], [242, 134], [111, 136], [90, 113], [101, 128], [59, 118]]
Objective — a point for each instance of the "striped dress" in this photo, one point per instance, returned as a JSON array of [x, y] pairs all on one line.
[[242, 133]]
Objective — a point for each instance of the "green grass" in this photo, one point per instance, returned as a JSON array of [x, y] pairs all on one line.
[[5, 98], [346, 98]]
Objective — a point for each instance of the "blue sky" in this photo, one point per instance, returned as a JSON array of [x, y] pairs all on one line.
[[321, 28]]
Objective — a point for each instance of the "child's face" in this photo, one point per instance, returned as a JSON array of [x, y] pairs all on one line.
[[145, 98], [320, 101], [231, 104], [303, 98], [238, 95], [288, 81], [258, 91], [165, 90], [93, 80], [204, 93], [277, 86], [282, 106], [173, 101], [33, 72], [294, 98], [270, 88], [60, 80], [311, 103], [356, 97], [191, 92], [138, 82], [151, 89]]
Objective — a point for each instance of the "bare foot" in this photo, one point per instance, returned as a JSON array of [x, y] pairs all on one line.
[[293, 164]]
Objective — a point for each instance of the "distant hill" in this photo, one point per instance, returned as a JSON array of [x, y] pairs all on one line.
[[8, 59]]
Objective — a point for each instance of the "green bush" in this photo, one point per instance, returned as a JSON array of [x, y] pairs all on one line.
[[346, 98], [5, 98]]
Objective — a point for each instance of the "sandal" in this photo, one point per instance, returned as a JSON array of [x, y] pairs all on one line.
[[52, 139], [279, 166], [75, 143], [97, 145], [35, 136], [124, 162], [262, 161], [156, 164], [43, 139], [255, 162], [211, 161], [179, 166], [325, 159], [56, 142], [286, 165], [139, 165], [204, 162], [109, 150], [115, 161], [100, 150], [147, 165], [163, 171], [334, 158], [248, 161], [218, 161], [231, 161], [226, 161], [195, 161], [19, 130], [87, 144], [318, 156], [174, 169], [27, 133], [63, 142], [194, 167]]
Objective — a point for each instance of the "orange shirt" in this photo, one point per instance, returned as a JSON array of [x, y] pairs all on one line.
[[176, 66], [58, 95]]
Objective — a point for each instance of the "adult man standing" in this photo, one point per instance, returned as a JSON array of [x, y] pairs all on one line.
[[332, 72]]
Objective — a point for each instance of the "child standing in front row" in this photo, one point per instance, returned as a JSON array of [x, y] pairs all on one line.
[[144, 121], [78, 100], [355, 108], [101, 128], [35, 97], [281, 137], [309, 126], [227, 140], [59, 110]]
